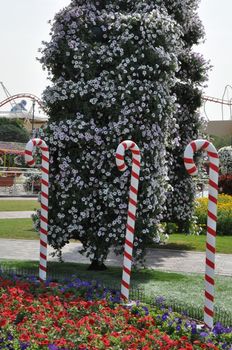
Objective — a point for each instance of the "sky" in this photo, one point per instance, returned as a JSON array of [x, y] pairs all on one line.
[[24, 25]]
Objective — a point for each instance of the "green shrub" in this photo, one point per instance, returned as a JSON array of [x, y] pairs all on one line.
[[33, 182], [224, 221], [225, 160], [13, 130], [225, 184]]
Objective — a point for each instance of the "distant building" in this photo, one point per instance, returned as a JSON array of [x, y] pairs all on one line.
[[219, 127]]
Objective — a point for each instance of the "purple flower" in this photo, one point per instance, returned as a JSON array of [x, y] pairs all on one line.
[[165, 316], [146, 310], [219, 329], [24, 346], [52, 347], [204, 334], [194, 328]]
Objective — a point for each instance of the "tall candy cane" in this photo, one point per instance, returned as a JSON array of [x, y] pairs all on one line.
[[211, 219], [128, 248], [44, 200]]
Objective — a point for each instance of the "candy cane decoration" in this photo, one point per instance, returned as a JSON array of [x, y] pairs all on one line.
[[211, 219], [44, 200], [128, 248]]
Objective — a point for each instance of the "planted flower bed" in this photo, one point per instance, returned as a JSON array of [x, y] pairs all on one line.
[[82, 315], [224, 220]]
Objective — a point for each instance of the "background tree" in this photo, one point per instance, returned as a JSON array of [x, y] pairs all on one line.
[[190, 79], [221, 141], [12, 130], [113, 67]]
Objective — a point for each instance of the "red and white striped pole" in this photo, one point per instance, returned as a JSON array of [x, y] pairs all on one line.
[[129, 240], [192, 147], [44, 200]]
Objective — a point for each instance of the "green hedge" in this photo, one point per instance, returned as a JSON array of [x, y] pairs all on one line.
[[13, 130]]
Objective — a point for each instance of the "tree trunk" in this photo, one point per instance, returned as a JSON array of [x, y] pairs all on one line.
[[97, 266]]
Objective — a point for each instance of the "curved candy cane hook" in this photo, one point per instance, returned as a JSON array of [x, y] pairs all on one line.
[[129, 240], [211, 219], [44, 200]]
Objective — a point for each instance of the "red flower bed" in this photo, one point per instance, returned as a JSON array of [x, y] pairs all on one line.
[[38, 317]]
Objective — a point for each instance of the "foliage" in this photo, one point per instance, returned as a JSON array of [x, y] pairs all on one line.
[[13, 130], [80, 315], [33, 182], [225, 184], [191, 228], [224, 219], [188, 90], [221, 141], [36, 219], [112, 66], [225, 158], [12, 160]]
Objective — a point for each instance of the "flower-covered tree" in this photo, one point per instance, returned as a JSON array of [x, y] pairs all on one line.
[[225, 159], [188, 90], [113, 67]]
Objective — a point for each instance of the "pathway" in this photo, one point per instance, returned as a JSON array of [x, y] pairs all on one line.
[[16, 214], [160, 259]]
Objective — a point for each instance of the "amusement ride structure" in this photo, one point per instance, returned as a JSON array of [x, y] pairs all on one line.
[[226, 100], [18, 109]]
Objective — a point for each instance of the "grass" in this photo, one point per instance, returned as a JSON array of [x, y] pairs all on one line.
[[184, 288], [18, 205], [17, 229], [197, 243], [23, 229]]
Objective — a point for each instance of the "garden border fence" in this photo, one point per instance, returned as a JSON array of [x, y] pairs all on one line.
[[194, 312], [19, 182]]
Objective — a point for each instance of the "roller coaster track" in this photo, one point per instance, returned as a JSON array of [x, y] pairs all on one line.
[[217, 100], [23, 95], [33, 97], [40, 103]]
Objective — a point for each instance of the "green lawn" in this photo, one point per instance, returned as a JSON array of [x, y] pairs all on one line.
[[183, 288], [197, 243], [22, 229], [18, 205], [17, 229]]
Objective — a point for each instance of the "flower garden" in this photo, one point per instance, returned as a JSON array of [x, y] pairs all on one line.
[[122, 70], [83, 315], [224, 220]]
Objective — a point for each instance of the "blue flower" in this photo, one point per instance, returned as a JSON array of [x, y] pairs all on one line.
[[146, 310], [193, 327], [178, 320], [165, 316]]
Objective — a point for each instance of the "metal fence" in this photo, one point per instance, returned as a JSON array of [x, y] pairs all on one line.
[[19, 181], [188, 309]]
